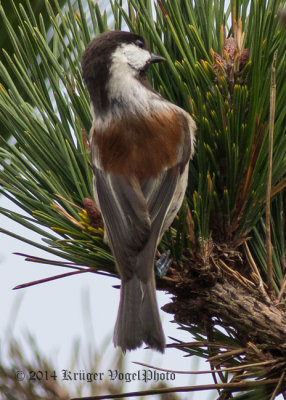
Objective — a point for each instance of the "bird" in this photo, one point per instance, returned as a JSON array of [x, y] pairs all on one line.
[[140, 146]]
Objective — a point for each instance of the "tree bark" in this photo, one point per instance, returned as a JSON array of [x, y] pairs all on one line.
[[209, 296]]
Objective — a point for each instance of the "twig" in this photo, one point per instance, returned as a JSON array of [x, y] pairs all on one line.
[[210, 371], [190, 226], [42, 260], [235, 387], [228, 354], [211, 351], [240, 278], [256, 272], [202, 343], [225, 394], [269, 175], [51, 278], [278, 386], [278, 188], [282, 290], [68, 201]]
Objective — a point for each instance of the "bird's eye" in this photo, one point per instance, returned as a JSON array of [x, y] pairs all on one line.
[[139, 43]]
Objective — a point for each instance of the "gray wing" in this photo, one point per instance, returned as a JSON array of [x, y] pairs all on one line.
[[133, 215], [159, 193], [125, 215]]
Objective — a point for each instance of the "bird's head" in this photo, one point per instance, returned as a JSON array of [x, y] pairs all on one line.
[[118, 55]]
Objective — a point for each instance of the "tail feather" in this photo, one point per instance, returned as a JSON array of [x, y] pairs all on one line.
[[138, 317]]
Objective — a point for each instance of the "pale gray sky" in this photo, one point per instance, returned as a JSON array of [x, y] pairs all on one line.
[[53, 312]]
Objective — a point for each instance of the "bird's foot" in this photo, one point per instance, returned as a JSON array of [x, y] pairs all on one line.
[[162, 265]]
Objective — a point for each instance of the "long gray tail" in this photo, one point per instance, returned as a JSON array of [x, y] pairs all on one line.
[[138, 317]]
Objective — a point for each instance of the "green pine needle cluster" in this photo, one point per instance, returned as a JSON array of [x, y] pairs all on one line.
[[218, 67], [46, 170]]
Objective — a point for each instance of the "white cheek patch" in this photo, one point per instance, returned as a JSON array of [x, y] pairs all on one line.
[[132, 55], [123, 84], [124, 87]]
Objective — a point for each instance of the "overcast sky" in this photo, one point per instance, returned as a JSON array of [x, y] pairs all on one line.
[[54, 312]]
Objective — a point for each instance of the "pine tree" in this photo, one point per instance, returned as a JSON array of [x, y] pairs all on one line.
[[226, 67]]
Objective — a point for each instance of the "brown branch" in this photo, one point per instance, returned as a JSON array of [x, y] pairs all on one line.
[[255, 272], [49, 279], [269, 176], [274, 394], [233, 305], [210, 371], [235, 387]]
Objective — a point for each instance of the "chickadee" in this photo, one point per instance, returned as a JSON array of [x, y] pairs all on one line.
[[140, 145]]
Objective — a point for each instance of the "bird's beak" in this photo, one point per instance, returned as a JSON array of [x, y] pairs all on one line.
[[155, 58]]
